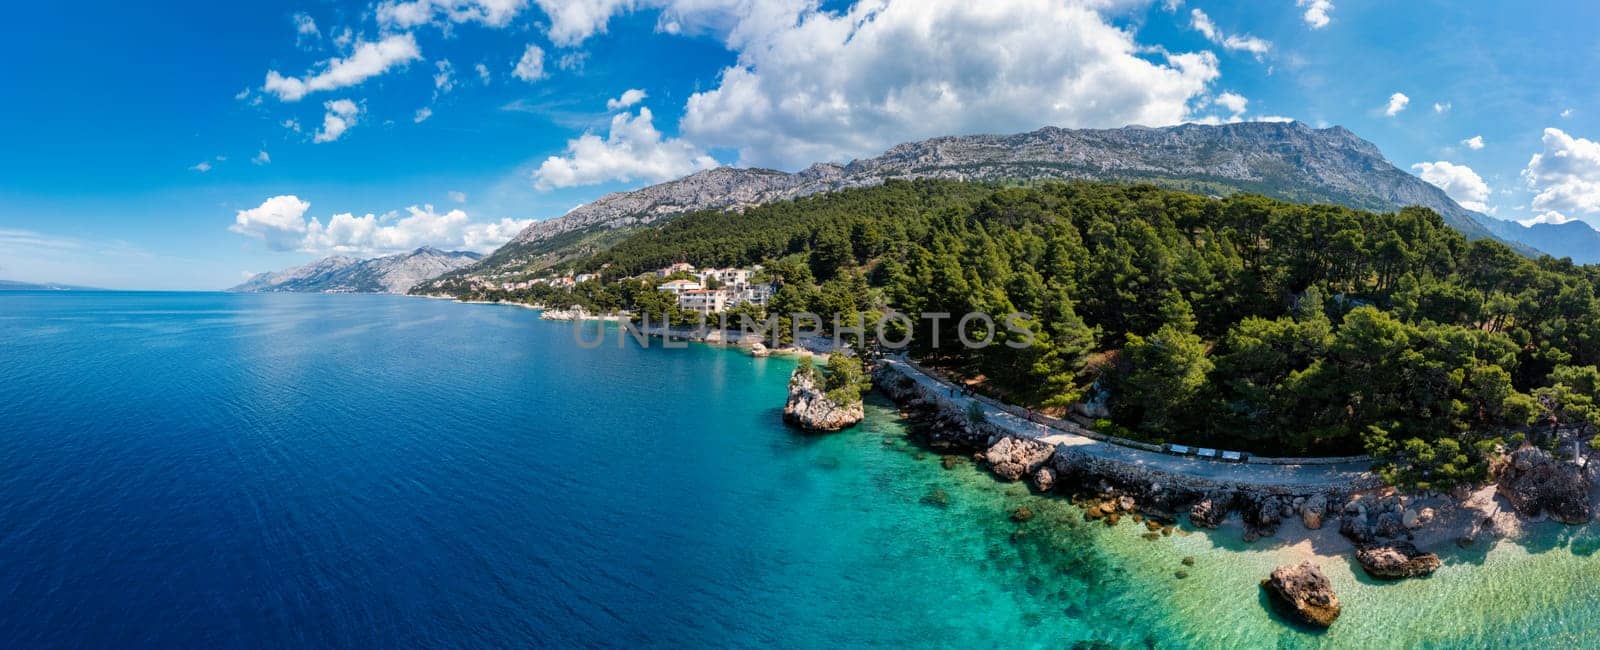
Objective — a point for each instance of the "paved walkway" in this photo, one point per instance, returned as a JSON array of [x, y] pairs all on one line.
[[1343, 475]]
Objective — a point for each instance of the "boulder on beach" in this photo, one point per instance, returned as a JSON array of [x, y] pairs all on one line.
[[1044, 480], [1312, 509], [1211, 510], [1013, 457], [1534, 482], [1303, 591], [1396, 560]]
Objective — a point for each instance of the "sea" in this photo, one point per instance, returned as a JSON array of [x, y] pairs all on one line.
[[207, 470]]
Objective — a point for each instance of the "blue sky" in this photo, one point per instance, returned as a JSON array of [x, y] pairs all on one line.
[[185, 146]]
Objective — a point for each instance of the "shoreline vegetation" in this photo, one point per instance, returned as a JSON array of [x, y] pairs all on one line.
[[1465, 372]]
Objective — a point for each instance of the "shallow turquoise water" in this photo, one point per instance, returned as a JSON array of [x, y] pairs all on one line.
[[358, 471]]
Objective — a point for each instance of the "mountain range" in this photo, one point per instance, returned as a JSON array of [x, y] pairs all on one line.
[[1285, 160], [9, 285], [1574, 239], [341, 274]]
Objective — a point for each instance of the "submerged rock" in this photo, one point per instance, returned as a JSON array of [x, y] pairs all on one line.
[[1397, 560], [1535, 482], [809, 408], [1013, 457], [1305, 592]]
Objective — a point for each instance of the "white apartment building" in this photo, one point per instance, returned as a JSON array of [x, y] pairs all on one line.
[[678, 287], [703, 301]]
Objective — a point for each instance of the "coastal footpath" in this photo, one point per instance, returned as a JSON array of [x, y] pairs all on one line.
[[1332, 507]]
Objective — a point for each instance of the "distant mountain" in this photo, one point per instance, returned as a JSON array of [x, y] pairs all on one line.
[[7, 285], [339, 274], [1574, 239], [1289, 161]]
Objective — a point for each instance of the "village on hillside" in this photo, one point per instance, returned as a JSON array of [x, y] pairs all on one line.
[[697, 291]]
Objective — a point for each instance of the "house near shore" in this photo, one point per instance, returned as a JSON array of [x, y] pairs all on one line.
[[703, 301]]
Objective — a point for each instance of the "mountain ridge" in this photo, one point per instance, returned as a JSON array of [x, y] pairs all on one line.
[[396, 273], [1285, 160]]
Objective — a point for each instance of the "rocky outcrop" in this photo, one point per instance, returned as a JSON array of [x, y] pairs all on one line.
[[1312, 511], [1396, 560], [1012, 457], [1535, 482], [810, 408], [1211, 510], [1304, 592]]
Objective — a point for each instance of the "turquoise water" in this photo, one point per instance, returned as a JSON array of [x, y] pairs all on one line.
[[181, 470]]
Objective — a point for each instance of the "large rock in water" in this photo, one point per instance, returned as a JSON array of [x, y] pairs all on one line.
[[809, 407], [1395, 561], [1304, 592], [1535, 482], [1013, 457]]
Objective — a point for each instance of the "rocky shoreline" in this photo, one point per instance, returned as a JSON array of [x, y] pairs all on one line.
[[1391, 535]]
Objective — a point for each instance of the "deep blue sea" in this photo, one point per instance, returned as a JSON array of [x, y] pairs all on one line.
[[216, 471]]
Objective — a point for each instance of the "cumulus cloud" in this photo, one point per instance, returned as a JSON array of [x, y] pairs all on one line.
[[1566, 112], [1397, 102], [629, 97], [1441, 108], [1316, 15], [530, 67], [1474, 143], [458, 197], [261, 158], [1202, 23], [1565, 176], [1458, 181], [281, 223], [483, 73], [572, 21], [369, 59], [1554, 218], [340, 116], [813, 85], [202, 166], [405, 15], [444, 78], [1233, 102], [422, 114], [632, 150]]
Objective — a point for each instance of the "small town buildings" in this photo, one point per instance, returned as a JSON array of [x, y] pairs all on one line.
[[586, 277], [680, 267]]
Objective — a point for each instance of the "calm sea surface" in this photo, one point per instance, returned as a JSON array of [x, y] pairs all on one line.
[[211, 470]]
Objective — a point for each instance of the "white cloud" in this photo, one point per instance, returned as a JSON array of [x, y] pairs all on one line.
[[1565, 177], [1235, 103], [281, 223], [1567, 112], [1202, 23], [458, 197], [369, 59], [444, 80], [262, 158], [572, 60], [1474, 143], [292, 125], [483, 73], [1316, 15], [422, 114], [491, 13], [1554, 218], [202, 166], [814, 85], [1458, 181], [633, 150], [305, 29], [530, 67], [1397, 102], [629, 97], [340, 116], [1441, 108], [572, 21]]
